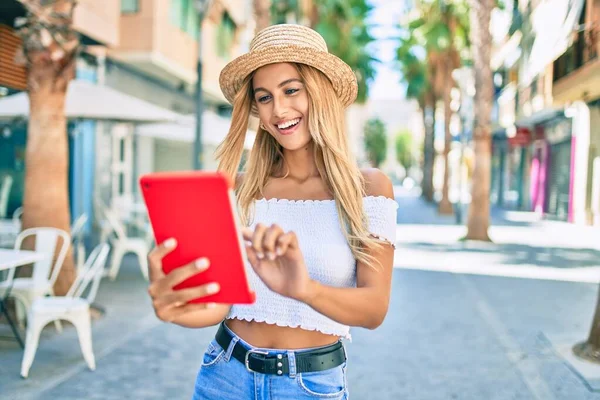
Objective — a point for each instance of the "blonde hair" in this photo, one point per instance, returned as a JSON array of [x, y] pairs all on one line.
[[335, 163]]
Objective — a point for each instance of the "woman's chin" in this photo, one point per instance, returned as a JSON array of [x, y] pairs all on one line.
[[294, 142]]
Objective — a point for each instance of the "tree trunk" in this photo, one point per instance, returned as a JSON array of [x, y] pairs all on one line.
[[428, 145], [262, 12], [445, 206], [481, 39], [46, 194], [590, 349]]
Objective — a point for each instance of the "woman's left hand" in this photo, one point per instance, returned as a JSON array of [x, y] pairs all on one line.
[[276, 258]]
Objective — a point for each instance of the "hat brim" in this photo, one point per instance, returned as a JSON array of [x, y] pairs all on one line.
[[338, 72]]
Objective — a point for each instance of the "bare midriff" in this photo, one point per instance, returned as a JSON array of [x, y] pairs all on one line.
[[270, 336]]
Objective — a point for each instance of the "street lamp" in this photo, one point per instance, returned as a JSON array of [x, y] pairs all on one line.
[[201, 6]]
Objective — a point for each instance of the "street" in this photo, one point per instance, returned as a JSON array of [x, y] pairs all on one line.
[[460, 324]]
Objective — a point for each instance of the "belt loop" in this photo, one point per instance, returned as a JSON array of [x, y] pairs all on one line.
[[232, 344], [291, 356]]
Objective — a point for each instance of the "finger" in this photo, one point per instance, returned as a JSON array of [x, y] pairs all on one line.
[[247, 233], [183, 296], [155, 258], [284, 242], [269, 241], [251, 253], [257, 239], [173, 313], [179, 275]]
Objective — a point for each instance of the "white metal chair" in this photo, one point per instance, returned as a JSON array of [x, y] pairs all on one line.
[[72, 307], [77, 238], [45, 273], [7, 182], [123, 244]]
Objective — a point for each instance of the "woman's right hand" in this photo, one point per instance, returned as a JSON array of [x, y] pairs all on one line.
[[170, 304]]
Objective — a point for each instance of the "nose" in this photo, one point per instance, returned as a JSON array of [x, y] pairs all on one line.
[[280, 107]]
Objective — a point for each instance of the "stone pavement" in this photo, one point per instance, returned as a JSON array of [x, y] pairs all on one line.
[[448, 335]]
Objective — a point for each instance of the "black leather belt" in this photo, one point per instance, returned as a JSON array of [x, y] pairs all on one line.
[[319, 359]]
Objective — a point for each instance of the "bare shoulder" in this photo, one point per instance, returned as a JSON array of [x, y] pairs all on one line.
[[377, 183]]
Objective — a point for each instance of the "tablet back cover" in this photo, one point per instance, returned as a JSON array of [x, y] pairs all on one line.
[[197, 209]]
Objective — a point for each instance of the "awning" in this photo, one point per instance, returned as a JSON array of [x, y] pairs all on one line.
[[89, 101], [553, 24], [214, 130]]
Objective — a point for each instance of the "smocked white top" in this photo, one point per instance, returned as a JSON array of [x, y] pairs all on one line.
[[326, 254]]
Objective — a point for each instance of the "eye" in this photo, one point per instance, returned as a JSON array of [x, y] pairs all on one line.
[[291, 91], [264, 99]]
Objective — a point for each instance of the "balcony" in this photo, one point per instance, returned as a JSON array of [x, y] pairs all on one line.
[[161, 42], [577, 71]]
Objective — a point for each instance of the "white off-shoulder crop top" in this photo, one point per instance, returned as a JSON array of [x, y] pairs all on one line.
[[326, 253]]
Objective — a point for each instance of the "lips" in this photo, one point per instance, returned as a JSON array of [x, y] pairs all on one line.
[[288, 127]]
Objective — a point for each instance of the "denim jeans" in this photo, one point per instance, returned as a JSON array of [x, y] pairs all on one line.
[[222, 377]]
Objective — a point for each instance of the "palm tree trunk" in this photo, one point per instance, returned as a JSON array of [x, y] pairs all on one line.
[[46, 201], [590, 349], [479, 210], [262, 13], [50, 67], [428, 145], [445, 206]]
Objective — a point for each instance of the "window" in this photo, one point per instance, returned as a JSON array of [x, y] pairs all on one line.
[[130, 6], [184, 16], [225, 36]]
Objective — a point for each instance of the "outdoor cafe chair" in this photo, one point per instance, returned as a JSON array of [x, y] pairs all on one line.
[[123, 244], [45, 272], [5, 187], [77, 237], [72, 307]]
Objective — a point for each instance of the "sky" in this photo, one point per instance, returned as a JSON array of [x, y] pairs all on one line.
[[385, 16]]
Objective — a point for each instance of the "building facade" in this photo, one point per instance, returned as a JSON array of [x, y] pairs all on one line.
[[545, 142], [145, 49]]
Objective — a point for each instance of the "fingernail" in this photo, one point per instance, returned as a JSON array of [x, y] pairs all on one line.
[[279, 251], [178, 304], [211, 305], [260, 255], [271, 255], [202, 263], [169, 243], [212, 288]]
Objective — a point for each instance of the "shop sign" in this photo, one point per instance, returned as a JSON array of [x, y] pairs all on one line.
[[522, 137]]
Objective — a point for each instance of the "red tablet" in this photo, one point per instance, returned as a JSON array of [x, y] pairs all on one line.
[[198, 209]]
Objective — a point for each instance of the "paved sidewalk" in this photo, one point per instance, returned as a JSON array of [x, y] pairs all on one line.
[[448, 335]]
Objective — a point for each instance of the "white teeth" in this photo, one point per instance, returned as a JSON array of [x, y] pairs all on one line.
[[288, 123]]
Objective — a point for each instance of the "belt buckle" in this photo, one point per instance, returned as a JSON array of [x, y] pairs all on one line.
[[248, 353]]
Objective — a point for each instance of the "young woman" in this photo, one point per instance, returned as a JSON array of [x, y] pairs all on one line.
[[319, 231]]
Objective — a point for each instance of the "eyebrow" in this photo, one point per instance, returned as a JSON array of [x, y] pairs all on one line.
[[280, 85]]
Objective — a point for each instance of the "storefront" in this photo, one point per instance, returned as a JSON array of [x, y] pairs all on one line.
[[498, 181], [557, 133]]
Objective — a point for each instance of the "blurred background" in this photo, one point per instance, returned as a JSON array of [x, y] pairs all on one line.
[[485, 114]]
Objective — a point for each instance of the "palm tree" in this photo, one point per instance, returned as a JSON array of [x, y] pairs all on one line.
[[262, 13], [481, 39], [49, 52], [444, 26], [410, 55], [342, 23]]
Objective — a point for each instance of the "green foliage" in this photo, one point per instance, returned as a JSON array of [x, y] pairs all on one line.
[[437, 28], [346, 32], [375, 141], [280, 9], [404, 148], [342, 23]]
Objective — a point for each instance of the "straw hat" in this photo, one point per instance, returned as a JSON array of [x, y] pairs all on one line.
[[294, 44]]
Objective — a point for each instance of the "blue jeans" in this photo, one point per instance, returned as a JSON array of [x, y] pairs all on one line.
[[222, 377]]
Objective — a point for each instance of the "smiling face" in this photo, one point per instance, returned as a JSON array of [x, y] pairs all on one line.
[[282, 103]]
